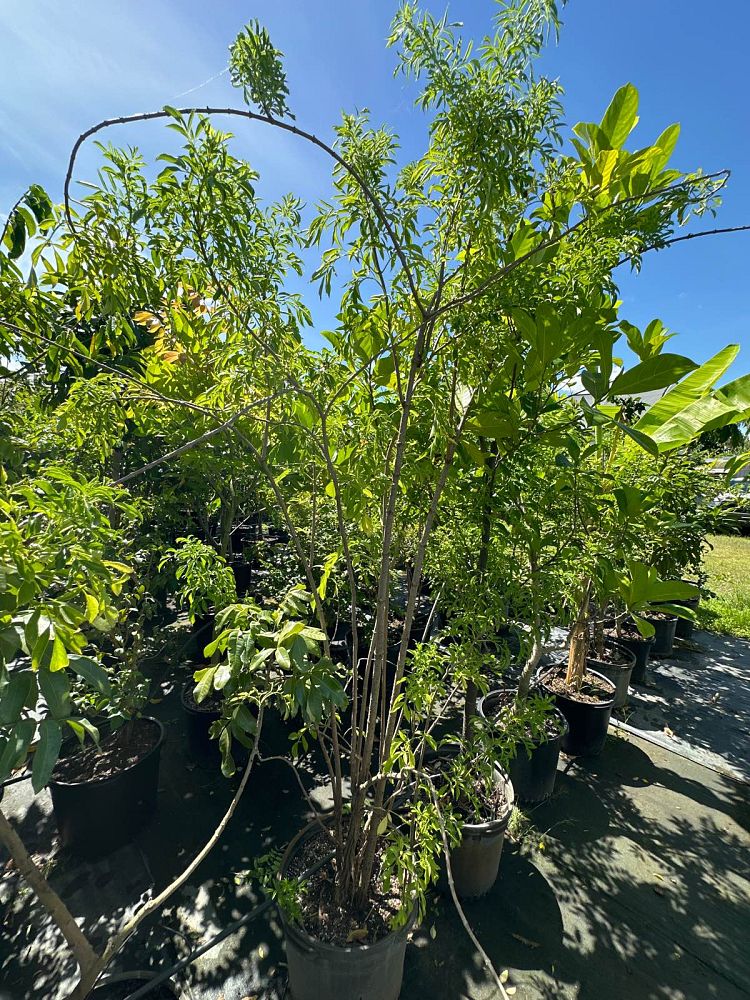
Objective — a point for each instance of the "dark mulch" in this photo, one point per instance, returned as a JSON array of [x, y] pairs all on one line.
[[323, 918], [591, 692], [114, 753], [628, 630], [610, 654], [659, 616]]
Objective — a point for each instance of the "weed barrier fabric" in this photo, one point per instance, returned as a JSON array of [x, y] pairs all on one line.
[[143, 991]]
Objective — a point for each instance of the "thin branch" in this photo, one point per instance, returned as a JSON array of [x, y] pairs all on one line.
[[82, 950], [683, 239], [266, 120], [118, 941]]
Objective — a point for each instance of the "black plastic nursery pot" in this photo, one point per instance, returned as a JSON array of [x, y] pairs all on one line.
[[94, 817], [340, 638], [618, 673], [685, 626], [587, 721], [198, 720], [321, 971], [532, 772], [476, 860], [120, 985], [243, 575], [664, 633], [641, 650]]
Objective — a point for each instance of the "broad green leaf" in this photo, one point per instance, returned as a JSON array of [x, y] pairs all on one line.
[[644, 627], [46, 753], [646, 442], [228, 766], [692, 387], [222, 676], [93, 673], [621, 116], [666, 143], [204, 685], [736, 393], [16, 745], [92, 607], [59, 657], [14, 695], [654, 373], [55, 688], [703, 415]]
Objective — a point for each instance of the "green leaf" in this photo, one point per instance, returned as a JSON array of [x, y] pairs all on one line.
[[687, 391], [492, 424], [647, 443], [92, 672], [222, 676], [46, 753], [204, 685], [56, 691], [16, 745], [92, 607], [14, 694], [666, 143], [59, 657], [282, 658], [225, 745], [621, 116], [654, 373]]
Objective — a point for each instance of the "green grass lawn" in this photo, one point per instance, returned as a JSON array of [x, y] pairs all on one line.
[[728, 568]]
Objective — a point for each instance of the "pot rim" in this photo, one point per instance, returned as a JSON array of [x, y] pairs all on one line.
[[114, 777], [500, 823], [323, 946], [555, 711], [620, 667], [489, 825], [634, 638], [588, 704], [111, 978], [189, 708]]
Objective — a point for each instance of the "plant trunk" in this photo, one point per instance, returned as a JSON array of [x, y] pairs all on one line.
[[490, 472], [579, 641], [532, 661]]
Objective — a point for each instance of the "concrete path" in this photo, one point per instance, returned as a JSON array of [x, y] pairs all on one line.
[[633, 881]]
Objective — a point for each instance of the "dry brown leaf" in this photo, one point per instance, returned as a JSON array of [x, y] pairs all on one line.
[[358, 934], [526, 941]]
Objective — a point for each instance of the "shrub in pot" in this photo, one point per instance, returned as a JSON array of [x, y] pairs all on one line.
[[56, 534], [533, 765], [204, 582]]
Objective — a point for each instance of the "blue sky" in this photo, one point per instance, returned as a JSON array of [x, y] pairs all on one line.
[[67, 65]]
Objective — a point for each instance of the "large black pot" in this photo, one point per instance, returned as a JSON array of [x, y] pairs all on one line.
[[120, 985], [96, 817], [475, 862], [197, 723], [532, 772], [587, 721], [664, 633], [320, 971], [641, 650], [618, 673]]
